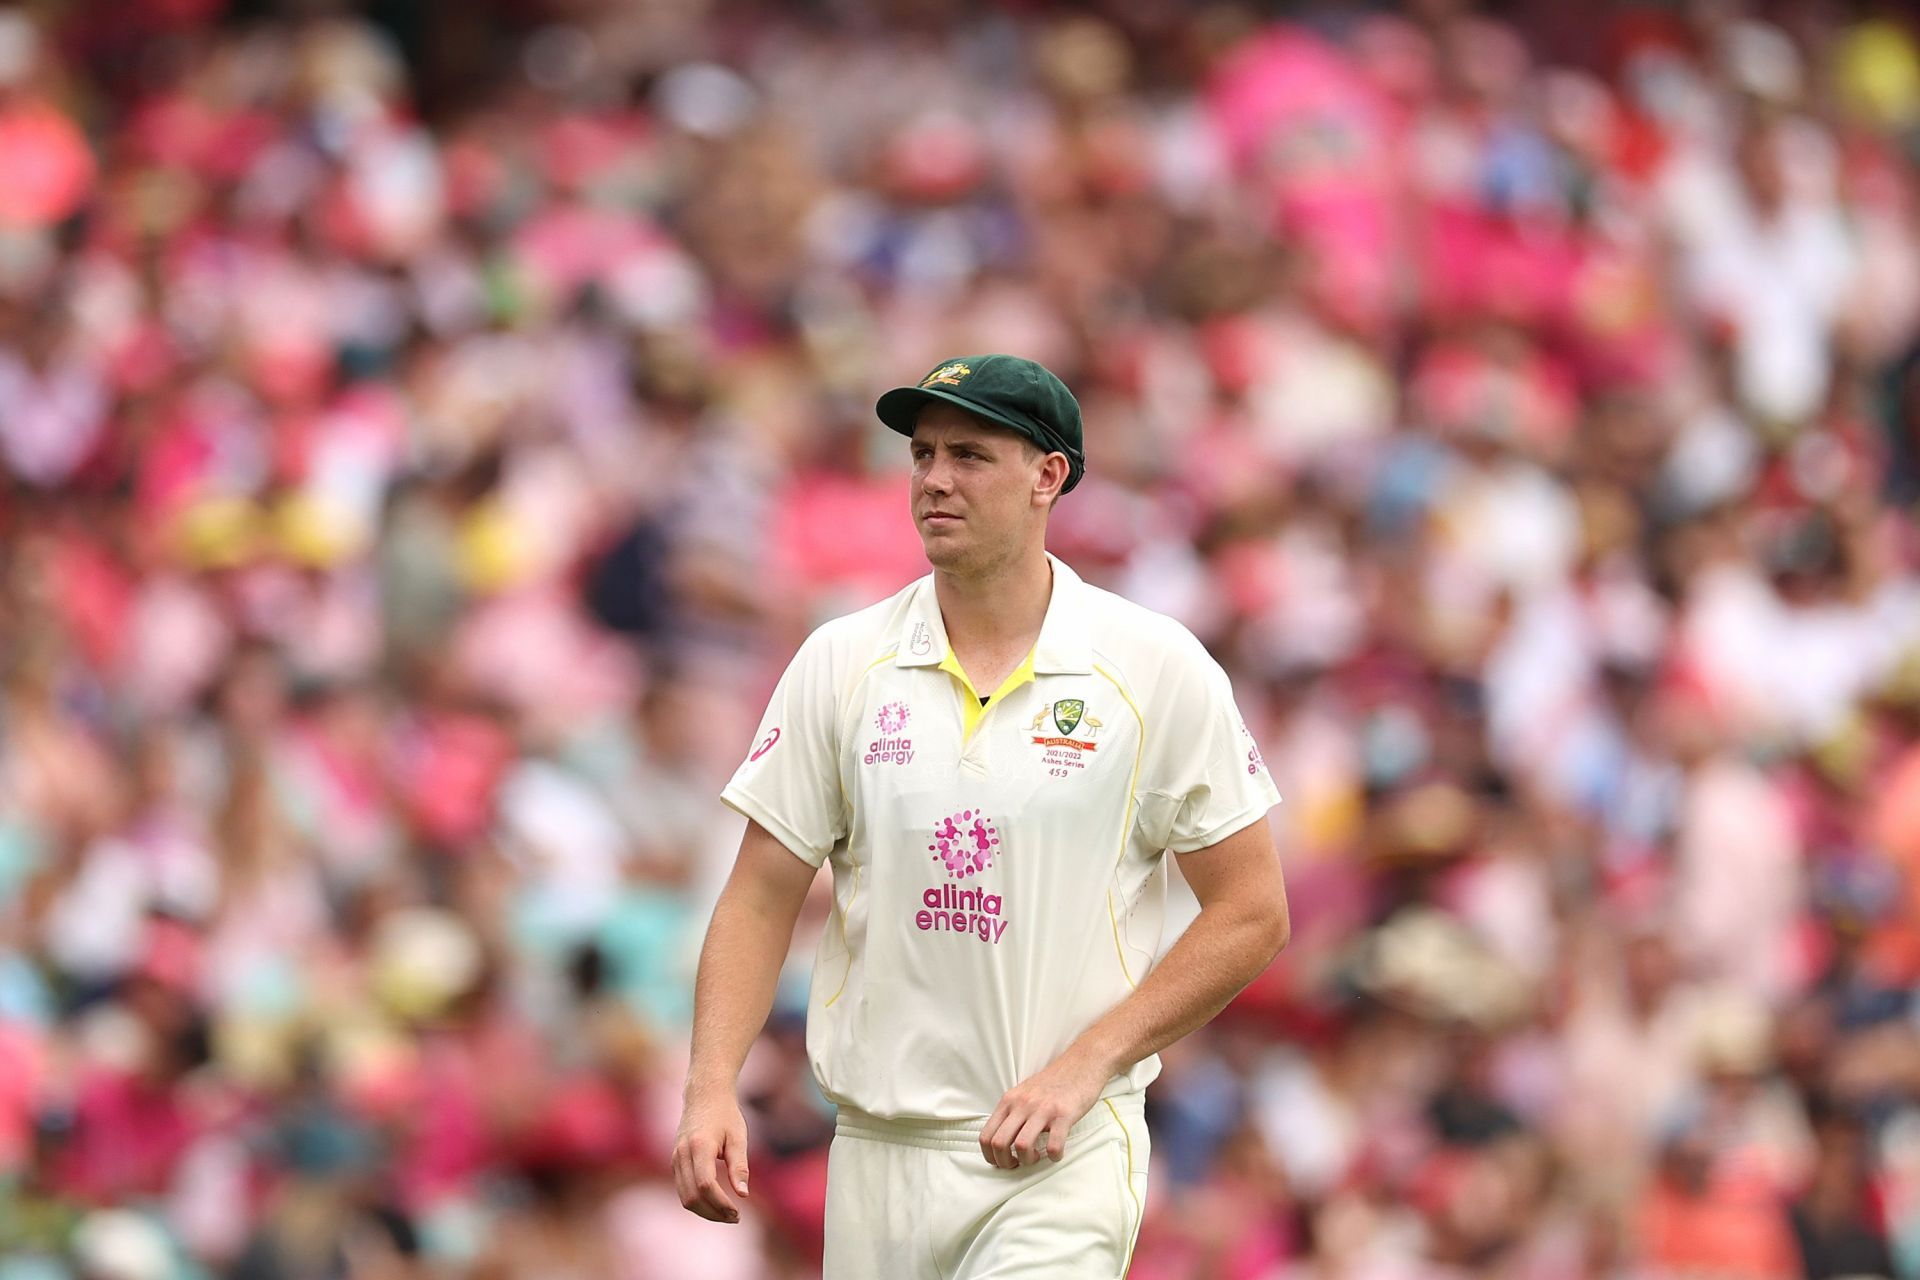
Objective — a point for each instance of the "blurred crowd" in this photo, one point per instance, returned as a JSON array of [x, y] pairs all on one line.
[[426, 432]]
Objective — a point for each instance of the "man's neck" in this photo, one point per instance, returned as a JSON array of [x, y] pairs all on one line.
[[997, 609]]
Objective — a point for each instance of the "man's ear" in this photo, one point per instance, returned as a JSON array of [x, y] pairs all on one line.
[[1054, 470]]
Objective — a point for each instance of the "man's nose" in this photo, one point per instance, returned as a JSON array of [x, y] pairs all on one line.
[[935, 479]]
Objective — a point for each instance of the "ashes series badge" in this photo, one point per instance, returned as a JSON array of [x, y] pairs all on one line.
[[1063, 750]]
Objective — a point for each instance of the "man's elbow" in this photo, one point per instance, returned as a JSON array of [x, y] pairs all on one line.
[[1272, 928], [1282, 930], [1279, 932]]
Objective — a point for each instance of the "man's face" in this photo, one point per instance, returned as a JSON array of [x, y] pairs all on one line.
[[978, 490]]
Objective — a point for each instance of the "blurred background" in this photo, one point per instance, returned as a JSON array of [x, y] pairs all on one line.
[[427, 429]]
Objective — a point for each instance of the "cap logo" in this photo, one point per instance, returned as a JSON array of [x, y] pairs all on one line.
[[949, 374]]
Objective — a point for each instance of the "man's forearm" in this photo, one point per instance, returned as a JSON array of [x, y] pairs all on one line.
[[1224, 949], [733, 993]]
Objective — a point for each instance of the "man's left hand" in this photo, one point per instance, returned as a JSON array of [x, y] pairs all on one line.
[[1049, 1102]]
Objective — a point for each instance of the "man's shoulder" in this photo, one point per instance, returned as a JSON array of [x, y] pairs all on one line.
[[1141, 642]]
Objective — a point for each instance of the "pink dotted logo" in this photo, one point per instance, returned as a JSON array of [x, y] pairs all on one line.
[[892, 718], [965, 843]]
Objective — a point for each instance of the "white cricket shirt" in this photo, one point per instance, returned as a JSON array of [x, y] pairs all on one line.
[[995, 891]]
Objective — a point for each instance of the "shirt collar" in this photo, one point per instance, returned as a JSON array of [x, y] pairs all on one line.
[[1064, 647]]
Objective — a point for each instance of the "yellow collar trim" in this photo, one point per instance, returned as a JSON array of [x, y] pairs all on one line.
[[972, 710]]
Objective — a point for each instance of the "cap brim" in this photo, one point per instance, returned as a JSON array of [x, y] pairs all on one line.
[[899, 408]]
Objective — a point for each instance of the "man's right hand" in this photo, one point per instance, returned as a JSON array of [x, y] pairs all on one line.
[[710, 1157], [739, 969]]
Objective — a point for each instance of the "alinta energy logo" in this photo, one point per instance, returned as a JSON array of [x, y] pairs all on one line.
[[965, 844], [891, 747]]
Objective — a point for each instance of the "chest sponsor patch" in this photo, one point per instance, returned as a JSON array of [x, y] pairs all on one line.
[[893, 746], [964, 844], [948, 908]]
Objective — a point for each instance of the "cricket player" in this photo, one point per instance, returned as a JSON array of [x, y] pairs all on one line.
[[996, 762]]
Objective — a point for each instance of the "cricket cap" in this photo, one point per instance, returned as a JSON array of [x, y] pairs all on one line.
[[1008, 391]]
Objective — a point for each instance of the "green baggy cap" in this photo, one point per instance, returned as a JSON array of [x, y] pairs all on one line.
[[1016, 393]]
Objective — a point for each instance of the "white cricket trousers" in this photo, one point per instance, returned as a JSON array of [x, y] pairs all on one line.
[[917, 1201]]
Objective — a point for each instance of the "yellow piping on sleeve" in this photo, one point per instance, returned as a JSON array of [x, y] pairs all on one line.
[[1126, 824]]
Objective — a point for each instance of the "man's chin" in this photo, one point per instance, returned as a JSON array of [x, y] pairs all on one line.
[[943, 552]]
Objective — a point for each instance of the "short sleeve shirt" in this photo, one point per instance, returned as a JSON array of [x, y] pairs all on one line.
[[995, 891]]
